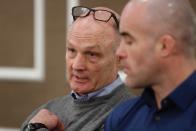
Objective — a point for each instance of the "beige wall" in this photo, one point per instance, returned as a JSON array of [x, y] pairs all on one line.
[[19, 98]]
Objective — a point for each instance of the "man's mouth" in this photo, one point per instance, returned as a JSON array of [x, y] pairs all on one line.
[[80, 79]]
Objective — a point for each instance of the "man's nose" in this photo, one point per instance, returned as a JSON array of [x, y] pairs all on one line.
[[121, 52], [79, 62]]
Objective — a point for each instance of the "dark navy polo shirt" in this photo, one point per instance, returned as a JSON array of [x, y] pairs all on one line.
[[177, 113]]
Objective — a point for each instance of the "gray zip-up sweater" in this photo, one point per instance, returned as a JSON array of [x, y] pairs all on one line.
[[84, 115]]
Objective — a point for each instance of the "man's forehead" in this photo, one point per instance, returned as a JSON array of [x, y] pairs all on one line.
[[85, 35], [88, 25], [85, 46], [89, 41], [85, 40], [85, 28]]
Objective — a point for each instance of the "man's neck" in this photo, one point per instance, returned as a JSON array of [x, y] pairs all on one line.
[[171, 80]]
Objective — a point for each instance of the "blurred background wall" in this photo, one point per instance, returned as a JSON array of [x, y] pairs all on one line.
[[19, 97]]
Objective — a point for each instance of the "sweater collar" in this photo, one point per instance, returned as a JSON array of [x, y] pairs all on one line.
[[101, 92]]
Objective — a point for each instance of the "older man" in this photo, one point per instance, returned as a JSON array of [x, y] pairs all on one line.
[[91, 70], [157, 52]]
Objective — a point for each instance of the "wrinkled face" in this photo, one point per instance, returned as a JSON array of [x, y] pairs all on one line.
[[90, 60], [137, 50]]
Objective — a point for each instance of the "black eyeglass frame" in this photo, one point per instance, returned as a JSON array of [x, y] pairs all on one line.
[[94, 10]]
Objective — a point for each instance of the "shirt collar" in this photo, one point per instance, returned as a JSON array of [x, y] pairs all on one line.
[[101, 92], [185, 93], [148, 97], [182, 96]]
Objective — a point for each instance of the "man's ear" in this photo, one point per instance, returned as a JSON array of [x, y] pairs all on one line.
[[166, 45]]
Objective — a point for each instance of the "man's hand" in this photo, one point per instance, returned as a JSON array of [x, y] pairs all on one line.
[[49, 119]]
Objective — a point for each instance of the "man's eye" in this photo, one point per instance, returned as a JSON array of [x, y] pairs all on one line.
[[91, 54], [70, 50], [127, 40]]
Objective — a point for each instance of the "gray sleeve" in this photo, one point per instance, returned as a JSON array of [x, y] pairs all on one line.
[[49, 105], [31, 116]]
